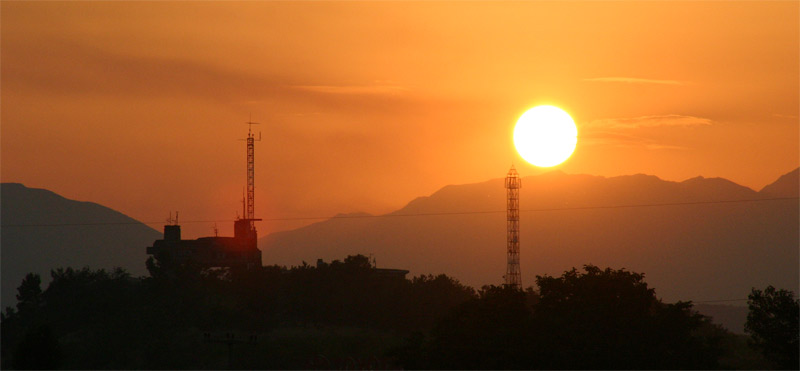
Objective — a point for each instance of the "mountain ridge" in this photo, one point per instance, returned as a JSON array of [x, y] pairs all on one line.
[[43, 230], [434, 240], [786, 186], [571, 220]]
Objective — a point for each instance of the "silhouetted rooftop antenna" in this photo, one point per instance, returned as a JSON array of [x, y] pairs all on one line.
[[249, 212], [172, 221]]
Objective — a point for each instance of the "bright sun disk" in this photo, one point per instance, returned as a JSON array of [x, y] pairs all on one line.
[[545, 136]]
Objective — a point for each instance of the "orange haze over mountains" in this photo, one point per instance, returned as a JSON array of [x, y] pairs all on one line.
[[365, 105]]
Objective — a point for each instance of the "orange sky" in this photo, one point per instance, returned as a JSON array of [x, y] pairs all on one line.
[[366, 105]]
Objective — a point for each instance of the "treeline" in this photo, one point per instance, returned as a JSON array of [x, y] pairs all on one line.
[[95, 319], [347, 314]]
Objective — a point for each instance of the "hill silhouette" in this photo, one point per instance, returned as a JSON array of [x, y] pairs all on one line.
[[39, 249], [692, 251], [786, 186]]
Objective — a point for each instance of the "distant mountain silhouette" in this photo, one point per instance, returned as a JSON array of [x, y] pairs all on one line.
[[732, 317], [785, 186], [41, 248], [694, 251]]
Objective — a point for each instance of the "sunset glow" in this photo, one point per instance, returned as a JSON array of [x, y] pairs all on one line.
[[545, 136], [366, 105], [398, 184]]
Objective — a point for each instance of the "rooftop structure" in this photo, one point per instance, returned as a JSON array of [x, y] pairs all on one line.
[[239, 250]]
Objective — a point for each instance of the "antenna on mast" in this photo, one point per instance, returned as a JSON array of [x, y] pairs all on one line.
[[172, 221], [251, 188], [244, 204], [245, 226]]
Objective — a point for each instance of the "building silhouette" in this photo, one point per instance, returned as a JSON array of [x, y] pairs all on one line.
[[241, 250]]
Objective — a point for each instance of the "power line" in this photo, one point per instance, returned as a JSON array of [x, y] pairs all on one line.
[[717, 301], [104, 223], [444, 213]]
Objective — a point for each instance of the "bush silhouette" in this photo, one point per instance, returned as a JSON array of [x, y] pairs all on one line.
[[773, 325]]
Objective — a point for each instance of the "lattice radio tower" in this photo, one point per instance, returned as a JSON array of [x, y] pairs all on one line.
[[513, 184], [251, 187]]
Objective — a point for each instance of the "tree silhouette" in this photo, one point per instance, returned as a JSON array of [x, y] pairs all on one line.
[[488, 332], [773, 325], [38, 350], [29, 294], [596, 319], [97, 319], [611, 319]]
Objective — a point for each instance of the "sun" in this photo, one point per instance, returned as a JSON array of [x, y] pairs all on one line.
[[545, 136]]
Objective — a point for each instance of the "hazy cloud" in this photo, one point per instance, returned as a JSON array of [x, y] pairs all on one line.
[[74, 69], [617, 131], [634, 80], [650, 121], [353, 89], [71, 68], [614, 139]]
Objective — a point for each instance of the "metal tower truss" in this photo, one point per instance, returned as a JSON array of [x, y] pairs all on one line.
[[251, 175], [251, 188], [513, 184]]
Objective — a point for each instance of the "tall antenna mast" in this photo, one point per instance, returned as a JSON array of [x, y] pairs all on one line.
[[251, 188], [513, 184]]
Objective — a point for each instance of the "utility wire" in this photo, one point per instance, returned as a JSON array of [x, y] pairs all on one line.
[[717, 301], [420, 214], [443, 213]]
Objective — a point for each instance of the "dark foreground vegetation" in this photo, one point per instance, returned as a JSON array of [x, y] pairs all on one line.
[[347, 315]]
